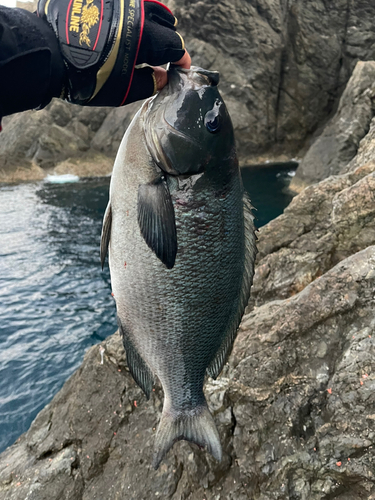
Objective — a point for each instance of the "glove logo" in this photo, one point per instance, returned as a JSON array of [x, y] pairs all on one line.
[[89, 17], [82, 19]]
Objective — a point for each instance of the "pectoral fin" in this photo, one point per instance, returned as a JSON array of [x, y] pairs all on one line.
[[157, 221], [106, 233]]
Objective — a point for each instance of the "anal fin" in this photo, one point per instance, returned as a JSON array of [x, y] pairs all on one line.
[[138, 368], [106, 233], [156, 220]]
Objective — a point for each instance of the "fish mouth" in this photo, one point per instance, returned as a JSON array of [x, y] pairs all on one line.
[[199, 76]]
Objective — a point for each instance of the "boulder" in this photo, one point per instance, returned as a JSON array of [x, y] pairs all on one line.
[[324, 224], [339, 141]]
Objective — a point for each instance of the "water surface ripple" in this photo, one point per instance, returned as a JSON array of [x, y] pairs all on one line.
[[54, 300]]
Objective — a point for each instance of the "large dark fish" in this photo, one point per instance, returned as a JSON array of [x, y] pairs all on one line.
[[181, 250]]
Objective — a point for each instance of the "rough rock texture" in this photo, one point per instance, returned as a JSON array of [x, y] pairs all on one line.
[[295, 411], [324, 224], [295, 406], [283, 64], [62, 138], [339, 141]]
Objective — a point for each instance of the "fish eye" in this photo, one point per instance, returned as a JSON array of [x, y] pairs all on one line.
[[212, 119]]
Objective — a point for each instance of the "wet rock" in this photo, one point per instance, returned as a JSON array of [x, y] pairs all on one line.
[[338, 143]]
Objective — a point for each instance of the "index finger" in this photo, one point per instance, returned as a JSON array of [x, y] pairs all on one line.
[[185, 61]]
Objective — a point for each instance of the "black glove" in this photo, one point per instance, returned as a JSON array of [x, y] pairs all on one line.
[[101, 43], [31, 67]]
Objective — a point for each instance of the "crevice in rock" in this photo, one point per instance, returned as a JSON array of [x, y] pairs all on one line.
[[54, 451], [283, 62], [349, 485], [234, 421]]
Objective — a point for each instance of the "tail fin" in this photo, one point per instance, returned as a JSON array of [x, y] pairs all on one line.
[[196, 426]]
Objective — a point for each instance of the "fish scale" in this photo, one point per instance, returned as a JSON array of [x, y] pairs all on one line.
[[179, 315]]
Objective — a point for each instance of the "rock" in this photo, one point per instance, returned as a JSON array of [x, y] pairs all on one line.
[[93, 165], [34, 141], [295, 411], [338, 143], [109, 135], [283, 65], [55, 144], [326, 223]]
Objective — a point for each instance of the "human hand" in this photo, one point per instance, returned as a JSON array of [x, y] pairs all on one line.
[[160, 44], [113, 50]]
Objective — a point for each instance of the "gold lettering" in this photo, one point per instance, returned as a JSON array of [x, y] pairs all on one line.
[[132, 3], [75, 16]]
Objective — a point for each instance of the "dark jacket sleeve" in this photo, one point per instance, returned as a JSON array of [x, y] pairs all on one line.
[[31, 67]]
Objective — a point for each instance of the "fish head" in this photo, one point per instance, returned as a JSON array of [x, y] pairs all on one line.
[[187, 126]]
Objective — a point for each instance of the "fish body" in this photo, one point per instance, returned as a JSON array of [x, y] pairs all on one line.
[[181, 242]]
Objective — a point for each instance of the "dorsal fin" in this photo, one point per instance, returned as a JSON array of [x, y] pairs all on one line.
[[225, 349]]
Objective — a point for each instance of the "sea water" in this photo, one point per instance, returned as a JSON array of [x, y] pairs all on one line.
[[55, 302]]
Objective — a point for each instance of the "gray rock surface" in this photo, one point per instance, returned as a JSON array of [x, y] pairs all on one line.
[[295, 406], [326, 223], [339, 141], [295, 411], [283, 64]]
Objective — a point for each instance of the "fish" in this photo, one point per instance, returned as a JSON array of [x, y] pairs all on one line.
[[180, 236]]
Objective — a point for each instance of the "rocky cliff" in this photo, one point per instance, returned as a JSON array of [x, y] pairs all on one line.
[[283, 63], [340, 139], [295, 406]]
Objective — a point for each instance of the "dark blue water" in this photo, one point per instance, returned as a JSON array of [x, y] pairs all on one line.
[[267, 187], [55, 302]]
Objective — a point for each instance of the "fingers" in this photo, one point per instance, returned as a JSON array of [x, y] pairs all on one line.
[[161, 77], [185, 61], [160, 42], [159, 13], [144, 84]]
